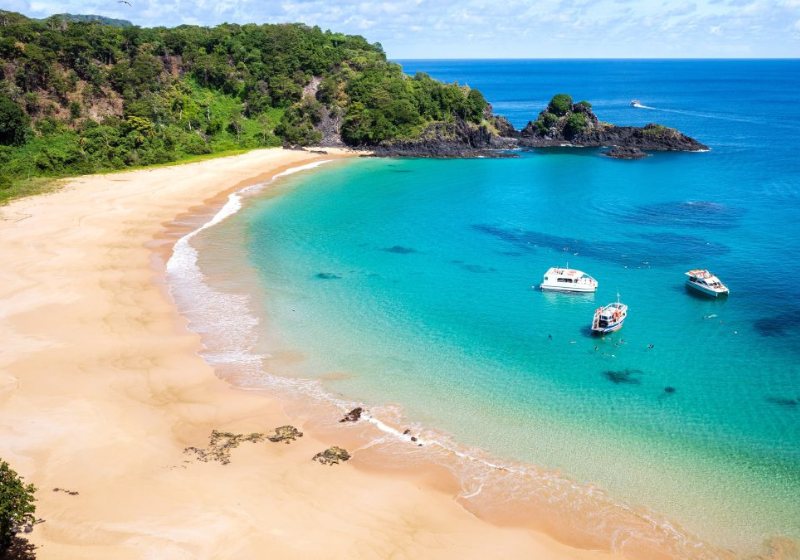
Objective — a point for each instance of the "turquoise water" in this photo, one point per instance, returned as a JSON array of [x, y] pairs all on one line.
[[412, 281]]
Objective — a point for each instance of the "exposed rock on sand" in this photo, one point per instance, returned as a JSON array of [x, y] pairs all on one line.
[[331, 456], [221, 444], [286, 434]]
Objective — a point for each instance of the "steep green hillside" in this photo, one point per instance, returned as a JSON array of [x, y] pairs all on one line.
[[79, 97]]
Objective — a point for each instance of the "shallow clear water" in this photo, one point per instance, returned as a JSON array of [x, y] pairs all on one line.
[[412, 280]]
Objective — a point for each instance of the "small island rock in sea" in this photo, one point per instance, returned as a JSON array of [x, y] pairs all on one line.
[[562, 123]]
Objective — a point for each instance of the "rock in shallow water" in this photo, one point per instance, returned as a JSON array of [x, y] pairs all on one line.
[[619, 152], [353, 416]]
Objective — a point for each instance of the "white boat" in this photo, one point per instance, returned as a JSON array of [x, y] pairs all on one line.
[[636, 103], [703, 281], [609, 318], [567, 280]]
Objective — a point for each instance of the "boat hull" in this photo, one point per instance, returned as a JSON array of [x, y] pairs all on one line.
[[573, 289], [608, 329], [705, 290]]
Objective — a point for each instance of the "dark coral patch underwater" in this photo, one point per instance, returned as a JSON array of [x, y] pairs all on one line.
[[400, 250], [623, 377]]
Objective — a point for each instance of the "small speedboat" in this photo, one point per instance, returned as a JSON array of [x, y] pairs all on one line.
[[609, 318], [703, 281], [567, 280], [636, 103]]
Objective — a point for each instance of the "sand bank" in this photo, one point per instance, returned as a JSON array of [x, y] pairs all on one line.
[[101, 389]]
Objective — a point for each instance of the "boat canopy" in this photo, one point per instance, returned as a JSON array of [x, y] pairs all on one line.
[[567, 272]]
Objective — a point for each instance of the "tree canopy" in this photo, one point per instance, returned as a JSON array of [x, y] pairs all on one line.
[[81, 97], [13, 122], [16, 503]]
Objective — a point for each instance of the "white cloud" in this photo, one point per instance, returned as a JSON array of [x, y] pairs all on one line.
[[496, 28]]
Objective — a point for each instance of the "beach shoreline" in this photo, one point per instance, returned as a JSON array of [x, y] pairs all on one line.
[[102, 388]]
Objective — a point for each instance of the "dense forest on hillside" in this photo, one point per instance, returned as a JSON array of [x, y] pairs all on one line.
[[81, 97]]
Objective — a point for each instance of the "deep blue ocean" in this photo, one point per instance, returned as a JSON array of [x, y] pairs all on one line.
[[411, 282]]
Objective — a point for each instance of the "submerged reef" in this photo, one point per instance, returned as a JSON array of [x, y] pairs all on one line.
[[623, 377], [400, 250]]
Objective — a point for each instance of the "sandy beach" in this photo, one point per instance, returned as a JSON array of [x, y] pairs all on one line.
[[102, 389]]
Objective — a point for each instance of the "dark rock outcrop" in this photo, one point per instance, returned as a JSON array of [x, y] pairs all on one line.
[[619, 152], [331, 456], [220, 446], [444, 140], [330, 124], [353, 416], [286, 434], [562, 123], [579, 126]]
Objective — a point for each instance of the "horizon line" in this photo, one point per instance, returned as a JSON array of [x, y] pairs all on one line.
[[596, 58]]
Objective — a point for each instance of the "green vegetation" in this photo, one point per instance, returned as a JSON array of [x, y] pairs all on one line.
[[658, 130], [13, 122], [385, 104], [16, 504], [561, 114], [83, 98], [560, 104], [576, 122]]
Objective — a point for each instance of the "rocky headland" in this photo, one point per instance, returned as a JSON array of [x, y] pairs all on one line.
[[562, 124], [456, 139]]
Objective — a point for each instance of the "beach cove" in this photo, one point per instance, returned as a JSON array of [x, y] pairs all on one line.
[[102, 389], [409, 287]]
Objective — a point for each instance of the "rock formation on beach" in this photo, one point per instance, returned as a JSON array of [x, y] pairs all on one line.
[[286, 434], [220, 445], [331, 456]]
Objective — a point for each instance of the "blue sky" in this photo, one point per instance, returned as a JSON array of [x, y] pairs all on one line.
[[495, 28]]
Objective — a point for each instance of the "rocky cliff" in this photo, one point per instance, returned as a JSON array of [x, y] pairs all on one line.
[[562, 123], [577, 125], [456, 139]]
